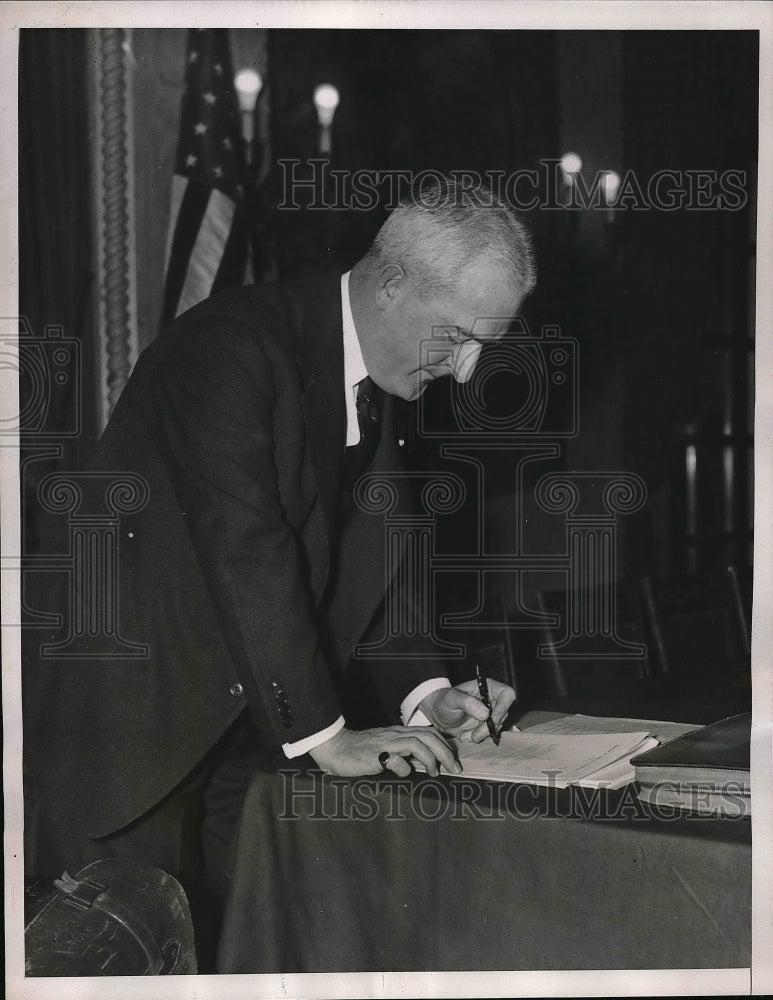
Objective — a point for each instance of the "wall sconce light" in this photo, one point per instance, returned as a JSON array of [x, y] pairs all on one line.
[[248, 83], [571, 165], [610, 183], [326, 98]]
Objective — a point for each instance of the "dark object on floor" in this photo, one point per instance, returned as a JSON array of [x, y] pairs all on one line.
[[114, 918]]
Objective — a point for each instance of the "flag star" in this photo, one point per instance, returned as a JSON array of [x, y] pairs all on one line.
[[199, 128], [217, 171], [227, 143], [209, 97], [191, 160], [218, 69], [193, 56]]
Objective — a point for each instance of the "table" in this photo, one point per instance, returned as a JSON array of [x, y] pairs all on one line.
[[422, 874]]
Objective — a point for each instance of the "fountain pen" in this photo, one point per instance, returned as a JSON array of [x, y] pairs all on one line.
[[484, 697]]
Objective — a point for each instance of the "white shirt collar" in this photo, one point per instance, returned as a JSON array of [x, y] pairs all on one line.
[[354, 366]]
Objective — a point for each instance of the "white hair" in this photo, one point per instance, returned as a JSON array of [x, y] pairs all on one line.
[[442, 229]]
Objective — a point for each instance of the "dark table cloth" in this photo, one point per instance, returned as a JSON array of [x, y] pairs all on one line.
[[386, 874]]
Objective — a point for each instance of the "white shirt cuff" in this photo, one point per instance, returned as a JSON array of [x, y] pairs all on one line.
[[312, 742], [409, 710]]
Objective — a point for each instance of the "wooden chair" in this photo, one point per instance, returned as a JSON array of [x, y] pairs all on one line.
[[699, 628], [696, 666]]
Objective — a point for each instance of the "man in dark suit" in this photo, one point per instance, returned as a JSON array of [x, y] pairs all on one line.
[[251, 573]]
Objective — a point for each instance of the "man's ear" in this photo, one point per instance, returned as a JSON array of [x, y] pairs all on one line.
[[390, 285]]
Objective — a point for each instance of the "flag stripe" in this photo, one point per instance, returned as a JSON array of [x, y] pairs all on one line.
[[236, 252], [179, 187], [186, 230], [207, 250]]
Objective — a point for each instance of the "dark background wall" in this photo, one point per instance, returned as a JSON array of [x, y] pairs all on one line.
[[660, 300], [411, 100]]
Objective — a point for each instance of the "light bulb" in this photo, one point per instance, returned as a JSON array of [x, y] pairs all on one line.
[[611, 184], [248, 83], [571, 164], [326, 99]]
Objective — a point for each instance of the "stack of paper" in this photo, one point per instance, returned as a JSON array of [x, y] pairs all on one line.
[[593, 761], [580, 725]]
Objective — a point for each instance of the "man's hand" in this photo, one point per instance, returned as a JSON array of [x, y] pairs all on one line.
[[352, 753], [459, 712]]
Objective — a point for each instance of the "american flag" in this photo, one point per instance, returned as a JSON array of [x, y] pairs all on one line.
[[208, 245]]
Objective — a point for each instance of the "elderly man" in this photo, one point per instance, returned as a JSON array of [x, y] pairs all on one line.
[[251, 573]]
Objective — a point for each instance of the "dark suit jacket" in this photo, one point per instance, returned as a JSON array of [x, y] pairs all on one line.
[[232, 573]]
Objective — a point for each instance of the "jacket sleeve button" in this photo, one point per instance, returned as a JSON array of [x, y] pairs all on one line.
[[237, 690]]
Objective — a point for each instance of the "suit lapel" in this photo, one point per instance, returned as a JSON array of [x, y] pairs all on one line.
[[321, 361], [366, 566]]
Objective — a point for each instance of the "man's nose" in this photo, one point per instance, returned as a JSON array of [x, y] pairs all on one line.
[[465, 359]]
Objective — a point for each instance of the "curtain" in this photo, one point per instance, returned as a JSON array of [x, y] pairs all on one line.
[[56, 270]]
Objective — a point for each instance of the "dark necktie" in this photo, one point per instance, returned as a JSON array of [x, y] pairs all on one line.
[[358, 458], [369, 415]]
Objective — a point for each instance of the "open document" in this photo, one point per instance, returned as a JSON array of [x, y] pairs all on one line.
[[600, 760], [588, 750]]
